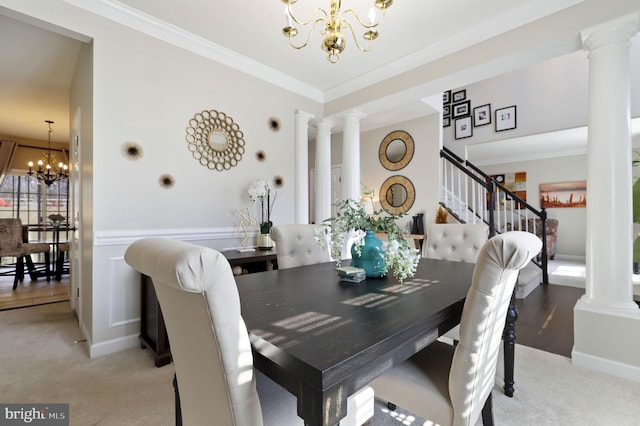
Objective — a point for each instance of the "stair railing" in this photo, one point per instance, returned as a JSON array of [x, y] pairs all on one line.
[[472, 196]]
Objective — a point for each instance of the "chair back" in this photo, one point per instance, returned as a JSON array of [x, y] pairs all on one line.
[[11, 237], [455, 241], [209, 340], [472, 373], [296, 246]]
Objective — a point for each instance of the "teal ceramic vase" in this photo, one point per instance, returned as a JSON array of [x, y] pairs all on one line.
[[371, 258]]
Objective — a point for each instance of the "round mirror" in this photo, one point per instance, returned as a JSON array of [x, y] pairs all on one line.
[[398, 195], [214, 140], [396, 150], [218, 140]]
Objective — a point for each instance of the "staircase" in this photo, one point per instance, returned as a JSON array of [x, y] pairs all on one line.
[[472, 196]]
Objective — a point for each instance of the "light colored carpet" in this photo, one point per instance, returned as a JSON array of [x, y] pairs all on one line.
[[41, 363]]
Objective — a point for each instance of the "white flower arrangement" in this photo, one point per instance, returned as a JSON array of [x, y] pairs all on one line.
[[262, 191]]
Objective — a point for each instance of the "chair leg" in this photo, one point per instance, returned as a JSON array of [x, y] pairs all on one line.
[[31, 267], [47, 263], [177, 396], [487, 412], [19, 275]]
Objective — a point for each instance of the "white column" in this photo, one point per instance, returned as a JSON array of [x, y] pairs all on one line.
[[301, 208], [606, 320], [609, 175], [351, 155], [323, 171]]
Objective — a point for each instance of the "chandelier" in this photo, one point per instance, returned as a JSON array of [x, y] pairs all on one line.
[[332, 25], [45, 171]]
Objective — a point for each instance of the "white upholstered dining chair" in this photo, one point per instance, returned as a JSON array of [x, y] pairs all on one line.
[[455, 241], [450, 385], [209, 341], [460, 242], [296, 246]]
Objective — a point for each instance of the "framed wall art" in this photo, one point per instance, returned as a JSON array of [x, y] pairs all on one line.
[[506, 118], [446, 121], [463, 128], [458, 96], [482, 115], [567, 194], [461, 109], [446, 110], [446, 97]]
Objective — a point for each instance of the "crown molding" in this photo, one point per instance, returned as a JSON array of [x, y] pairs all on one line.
[[527, 13], [169, 33]]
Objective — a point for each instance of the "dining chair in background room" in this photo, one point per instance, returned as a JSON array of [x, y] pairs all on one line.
[[11, 245], [296, 246], [210, 347], [451, 385], [62, 260]]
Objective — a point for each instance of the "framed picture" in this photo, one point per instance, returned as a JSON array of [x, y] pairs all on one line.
[[446, 110], [482, 115], [568, 194], [506, 118], [461, 109], [446, 121], [446, 97], [464, 128], [458, 96]]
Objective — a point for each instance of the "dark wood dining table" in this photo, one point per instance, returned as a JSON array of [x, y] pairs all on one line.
[[323, 340]]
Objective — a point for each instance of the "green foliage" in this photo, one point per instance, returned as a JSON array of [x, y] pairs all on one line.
[[352, 220]]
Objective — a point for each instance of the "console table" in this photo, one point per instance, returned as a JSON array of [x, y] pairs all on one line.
[[153, 334]]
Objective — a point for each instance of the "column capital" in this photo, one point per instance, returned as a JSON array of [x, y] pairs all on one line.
[[303, 117], [324, 124], [617, 31], [353, 115]]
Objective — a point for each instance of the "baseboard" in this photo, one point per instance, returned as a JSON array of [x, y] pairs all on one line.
[[568, 257], [113, 346], [606, 366]]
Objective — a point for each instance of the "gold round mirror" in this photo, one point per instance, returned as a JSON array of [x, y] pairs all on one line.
[[396, 150], [218, 140], [397, 195], [214, 140]]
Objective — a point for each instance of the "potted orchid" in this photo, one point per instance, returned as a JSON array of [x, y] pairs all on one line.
[[353, 222], [264, 195]]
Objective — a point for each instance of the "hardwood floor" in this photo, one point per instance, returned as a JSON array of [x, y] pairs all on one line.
[[545, 318], [31, 293]]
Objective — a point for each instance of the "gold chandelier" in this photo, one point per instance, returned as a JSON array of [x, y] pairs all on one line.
[[332, 24], [45, 172]]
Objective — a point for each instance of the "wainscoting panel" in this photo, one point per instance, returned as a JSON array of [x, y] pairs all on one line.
[[115, 291], [124, 295]]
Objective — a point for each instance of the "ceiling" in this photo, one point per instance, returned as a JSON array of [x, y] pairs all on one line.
[[37, 66]]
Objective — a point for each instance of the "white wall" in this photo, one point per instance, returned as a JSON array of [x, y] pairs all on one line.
[[422, 170], [572, 223], [145, 90]]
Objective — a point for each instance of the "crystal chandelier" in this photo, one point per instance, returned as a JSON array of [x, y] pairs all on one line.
[[45, 171], [332, 25]]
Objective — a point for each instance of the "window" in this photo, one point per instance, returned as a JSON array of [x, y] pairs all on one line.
[[32, 201]]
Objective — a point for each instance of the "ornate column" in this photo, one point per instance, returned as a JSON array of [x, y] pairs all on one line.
[[351, 155], [301, 208], [323, 171], [606, 320]]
